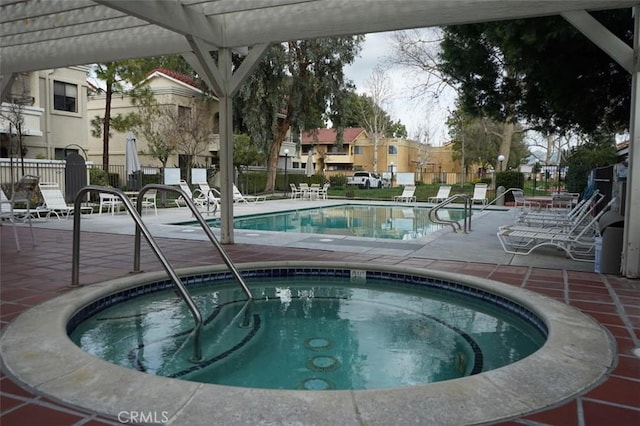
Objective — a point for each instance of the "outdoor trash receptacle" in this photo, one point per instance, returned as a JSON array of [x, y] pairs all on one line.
[[609, 255]]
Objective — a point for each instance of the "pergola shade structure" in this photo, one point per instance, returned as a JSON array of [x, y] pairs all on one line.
[[45, 34]]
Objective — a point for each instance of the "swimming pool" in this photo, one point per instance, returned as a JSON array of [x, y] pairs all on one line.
[[370, 221], [576, 355], [314, 330]]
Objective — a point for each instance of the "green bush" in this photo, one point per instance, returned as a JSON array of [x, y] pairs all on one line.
[[98, 177], [338, 181], [510, 179]]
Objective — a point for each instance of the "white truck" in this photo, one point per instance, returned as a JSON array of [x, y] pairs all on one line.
[[366, 180]]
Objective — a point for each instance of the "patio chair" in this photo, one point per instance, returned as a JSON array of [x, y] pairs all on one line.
[[294, 191], [480, 194], [519, 200], [240, 197], [407, 195], [149, 201], [22, 194], [578, 242], [322, 192], [443, 194], [561, 201], [54, 202], [305, 191], [109, 201]]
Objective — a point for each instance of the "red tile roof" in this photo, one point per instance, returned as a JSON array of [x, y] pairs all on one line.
[[329, 135], [186, 79]]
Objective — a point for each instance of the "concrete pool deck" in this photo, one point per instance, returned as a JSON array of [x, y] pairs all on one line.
[[38, 274]]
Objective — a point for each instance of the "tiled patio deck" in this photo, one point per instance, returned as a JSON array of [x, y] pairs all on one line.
[[35, 275]]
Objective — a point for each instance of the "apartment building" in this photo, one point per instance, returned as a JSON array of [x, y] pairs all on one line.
[[52, 107], [359, 151], [172, 90]]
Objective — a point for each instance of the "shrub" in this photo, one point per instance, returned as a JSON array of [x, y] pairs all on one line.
[[98, 177], [338, 181], [510, 179]]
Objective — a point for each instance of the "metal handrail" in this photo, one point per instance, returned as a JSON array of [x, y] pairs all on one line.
[[500, 196], [140, 227], [433, 213], [205, 227]]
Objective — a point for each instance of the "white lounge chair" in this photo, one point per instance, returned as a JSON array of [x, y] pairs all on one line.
[[211, 197], [578, 242], [199, 200], [407, 195], [443, 194], [560, 217], [480, 193], [54, 202], [240, 197]]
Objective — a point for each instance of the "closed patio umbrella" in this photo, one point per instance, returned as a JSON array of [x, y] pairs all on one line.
[[310, 169], [132, 162]]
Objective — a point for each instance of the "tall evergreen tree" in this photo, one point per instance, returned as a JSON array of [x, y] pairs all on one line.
[[542, 71], [298, 86]]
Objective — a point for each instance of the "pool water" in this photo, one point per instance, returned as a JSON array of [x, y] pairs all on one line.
[[312, 333], [371, 221]]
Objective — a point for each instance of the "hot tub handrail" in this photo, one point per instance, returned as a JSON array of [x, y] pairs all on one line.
[[140, 227], [433, 213], [203, 224]]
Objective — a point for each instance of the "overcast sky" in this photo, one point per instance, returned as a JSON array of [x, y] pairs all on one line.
[[415, 116]]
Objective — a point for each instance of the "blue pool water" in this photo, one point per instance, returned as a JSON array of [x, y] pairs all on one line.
[[310, 332], [371, 221]]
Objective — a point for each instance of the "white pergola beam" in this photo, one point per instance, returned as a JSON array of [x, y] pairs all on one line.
[[173, 16], [617, 49]]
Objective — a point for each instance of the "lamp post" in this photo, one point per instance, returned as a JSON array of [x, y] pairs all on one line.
[[500, 159], [286, 178]]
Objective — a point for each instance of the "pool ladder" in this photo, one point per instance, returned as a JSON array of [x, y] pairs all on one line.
[[433, 213], [136, 215]]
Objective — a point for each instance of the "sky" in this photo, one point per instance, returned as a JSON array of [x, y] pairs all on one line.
[[416, 116]]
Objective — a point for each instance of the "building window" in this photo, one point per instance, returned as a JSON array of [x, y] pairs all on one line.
[[393, 149], [358, 150], [65, 96]]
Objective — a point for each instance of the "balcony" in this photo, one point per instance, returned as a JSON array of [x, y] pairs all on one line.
[[338, 159], [30, 116], [214, 145]]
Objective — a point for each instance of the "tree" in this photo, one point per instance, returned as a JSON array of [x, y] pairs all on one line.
[[113, 74], [478, 141], [190, 128], [541, 71], [124, 77], [375, 119], [245, 153], [151, 123], [357, 106], [13, 114], [297, 87], [597, 152]]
